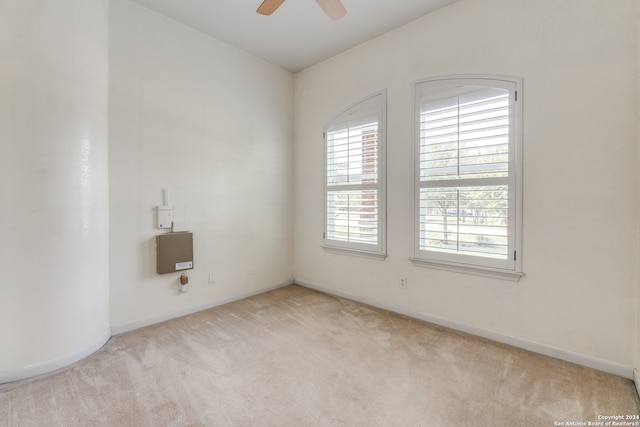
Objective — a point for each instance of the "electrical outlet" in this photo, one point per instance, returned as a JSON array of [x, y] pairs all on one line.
[[403, 283], [212, 277]]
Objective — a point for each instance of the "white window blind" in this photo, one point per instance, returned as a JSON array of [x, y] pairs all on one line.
[[354, 208], [466, 173]]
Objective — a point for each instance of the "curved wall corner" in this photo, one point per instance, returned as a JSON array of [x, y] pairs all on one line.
[[54, 284]]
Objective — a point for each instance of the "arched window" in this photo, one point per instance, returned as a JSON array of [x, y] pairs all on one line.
[[468, 159], [355, 200]]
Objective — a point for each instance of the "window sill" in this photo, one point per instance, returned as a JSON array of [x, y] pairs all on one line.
[[476, 271], [354, 252]]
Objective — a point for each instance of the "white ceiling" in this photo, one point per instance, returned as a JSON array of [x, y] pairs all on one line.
[[298, 34]]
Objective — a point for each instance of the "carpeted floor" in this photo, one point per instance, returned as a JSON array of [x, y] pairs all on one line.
[[296, 357]]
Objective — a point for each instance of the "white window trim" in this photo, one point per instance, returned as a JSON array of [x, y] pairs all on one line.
[[468, 269], [451, 263], [354, 249]]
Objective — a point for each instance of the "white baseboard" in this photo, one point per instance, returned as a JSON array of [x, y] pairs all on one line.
[[57, 363], [636, 381], [127, 327], [558, 353]]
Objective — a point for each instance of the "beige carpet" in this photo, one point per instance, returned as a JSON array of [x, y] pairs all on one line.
[[296, 357]]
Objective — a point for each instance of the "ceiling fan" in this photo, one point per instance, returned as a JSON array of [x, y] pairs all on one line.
[[333, 8]]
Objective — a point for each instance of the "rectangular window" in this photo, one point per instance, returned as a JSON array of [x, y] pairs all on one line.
[[467, 174], [355, 181]]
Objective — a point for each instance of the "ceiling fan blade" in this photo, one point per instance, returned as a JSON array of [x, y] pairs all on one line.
[[333, 8], [269, 6]]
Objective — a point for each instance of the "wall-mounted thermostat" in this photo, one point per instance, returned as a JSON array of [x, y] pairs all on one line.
[[174, 252], [165, 216]]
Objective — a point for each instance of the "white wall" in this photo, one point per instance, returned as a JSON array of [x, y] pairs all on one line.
[[578, 61], [54, 283], [214, 125]]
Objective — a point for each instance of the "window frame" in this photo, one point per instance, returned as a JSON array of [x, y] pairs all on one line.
[[511, 268], [358, 109]]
